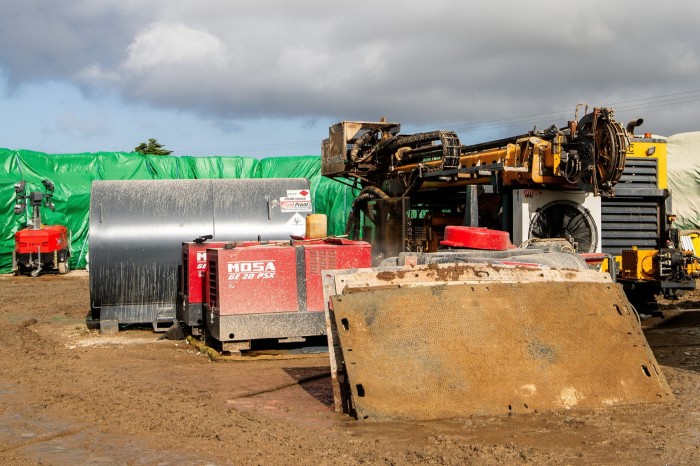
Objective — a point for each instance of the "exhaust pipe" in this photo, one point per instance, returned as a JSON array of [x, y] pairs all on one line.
[[633, 124]]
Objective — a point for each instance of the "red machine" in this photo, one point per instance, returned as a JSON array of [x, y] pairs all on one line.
[[192, 278], [39, 247], [274, 290]]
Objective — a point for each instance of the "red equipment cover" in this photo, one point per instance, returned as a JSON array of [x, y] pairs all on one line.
[[45, 240], [194, 265], [277, 278], [476, 238], [331, 255]]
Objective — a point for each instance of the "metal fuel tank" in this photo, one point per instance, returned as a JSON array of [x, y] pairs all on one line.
[[137, 229]]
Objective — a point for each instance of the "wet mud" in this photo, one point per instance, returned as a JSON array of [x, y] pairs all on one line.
[[71, 396]]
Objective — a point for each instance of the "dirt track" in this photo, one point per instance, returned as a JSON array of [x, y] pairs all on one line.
[[71, 396]]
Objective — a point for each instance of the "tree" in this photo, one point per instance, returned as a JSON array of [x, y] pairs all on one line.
[[153, 147]]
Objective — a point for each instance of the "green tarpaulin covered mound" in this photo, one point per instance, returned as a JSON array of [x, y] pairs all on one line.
[[73, 174]]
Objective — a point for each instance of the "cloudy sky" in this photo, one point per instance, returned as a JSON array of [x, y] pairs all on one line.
[[267, 77]]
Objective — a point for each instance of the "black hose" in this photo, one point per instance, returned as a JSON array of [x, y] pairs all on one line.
[[376, 191], [353, 217], [361, 141], [352, 228]]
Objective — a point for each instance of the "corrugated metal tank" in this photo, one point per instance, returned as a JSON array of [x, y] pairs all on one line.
[[137, 229]]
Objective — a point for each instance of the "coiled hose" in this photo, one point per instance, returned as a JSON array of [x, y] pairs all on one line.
[[352, 228]]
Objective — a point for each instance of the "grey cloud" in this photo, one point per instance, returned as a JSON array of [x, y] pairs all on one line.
[[419, 63], [43, 39]]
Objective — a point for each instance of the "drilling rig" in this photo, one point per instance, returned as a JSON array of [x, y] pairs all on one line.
[[580, 182], [455, 320]]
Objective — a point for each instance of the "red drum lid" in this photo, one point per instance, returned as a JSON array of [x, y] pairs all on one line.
[[476, 238]]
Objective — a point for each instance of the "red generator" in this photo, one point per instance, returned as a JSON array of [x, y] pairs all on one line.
[[43, 249], [192, 278], [273, 291], [39, 247]]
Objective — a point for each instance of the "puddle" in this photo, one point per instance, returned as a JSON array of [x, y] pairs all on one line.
[[306, 403]]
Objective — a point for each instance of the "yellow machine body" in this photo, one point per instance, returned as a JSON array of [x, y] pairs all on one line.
[[648, 147], [638, 264], [630, 262]]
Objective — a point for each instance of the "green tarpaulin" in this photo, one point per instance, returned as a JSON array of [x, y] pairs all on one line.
[[73, 174]]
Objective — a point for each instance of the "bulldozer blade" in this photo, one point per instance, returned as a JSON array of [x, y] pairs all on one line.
[[449, 341]]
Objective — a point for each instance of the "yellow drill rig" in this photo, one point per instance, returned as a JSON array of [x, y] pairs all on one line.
[[455, 320], [593, 183]]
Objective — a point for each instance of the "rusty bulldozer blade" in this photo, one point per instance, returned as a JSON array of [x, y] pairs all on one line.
[[448, 341]]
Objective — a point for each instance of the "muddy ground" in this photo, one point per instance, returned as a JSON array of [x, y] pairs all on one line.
[[71, 396]]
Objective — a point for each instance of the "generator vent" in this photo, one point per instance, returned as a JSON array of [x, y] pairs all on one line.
[[633, 217], [213, 285], [318, 260], [568, 220], [628, 222], [639, 172]]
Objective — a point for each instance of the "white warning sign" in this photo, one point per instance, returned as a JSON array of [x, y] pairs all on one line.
[[297, 200], [297, 225]]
